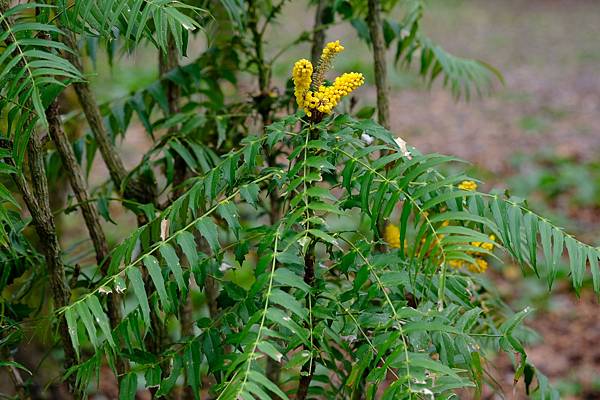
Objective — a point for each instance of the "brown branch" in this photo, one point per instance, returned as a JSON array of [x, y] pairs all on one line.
[[37, 202], [257, 36], [383, 91], [45, 227], [78, 184], [131, 189], [383, 107], [88, 209], [379, 61], [134, 190], [318, 40], [92, 114], [167, 62]]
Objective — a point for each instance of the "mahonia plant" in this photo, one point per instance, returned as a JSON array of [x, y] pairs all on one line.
[[307, 254], [340, 309]]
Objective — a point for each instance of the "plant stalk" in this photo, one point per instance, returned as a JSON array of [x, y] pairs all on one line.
[[167, 62], [257, 35]]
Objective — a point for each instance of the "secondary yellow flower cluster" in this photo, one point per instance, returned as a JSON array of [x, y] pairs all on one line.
[[468, 185], [322, 98], [480, 265], [391, 235]]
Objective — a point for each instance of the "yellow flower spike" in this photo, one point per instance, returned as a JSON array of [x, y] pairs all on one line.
[[392, 236], [468, 185], [487, 246], [480, 266], [456, 264]]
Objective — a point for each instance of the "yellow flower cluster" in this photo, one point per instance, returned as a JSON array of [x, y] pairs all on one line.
[[392, 236], [480, 265], [468, 185], [302, 77], [322, 98]]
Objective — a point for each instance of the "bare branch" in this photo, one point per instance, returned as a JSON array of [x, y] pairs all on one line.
[[88, 209]]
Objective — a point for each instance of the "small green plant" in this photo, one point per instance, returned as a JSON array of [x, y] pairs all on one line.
[[327, 259]]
